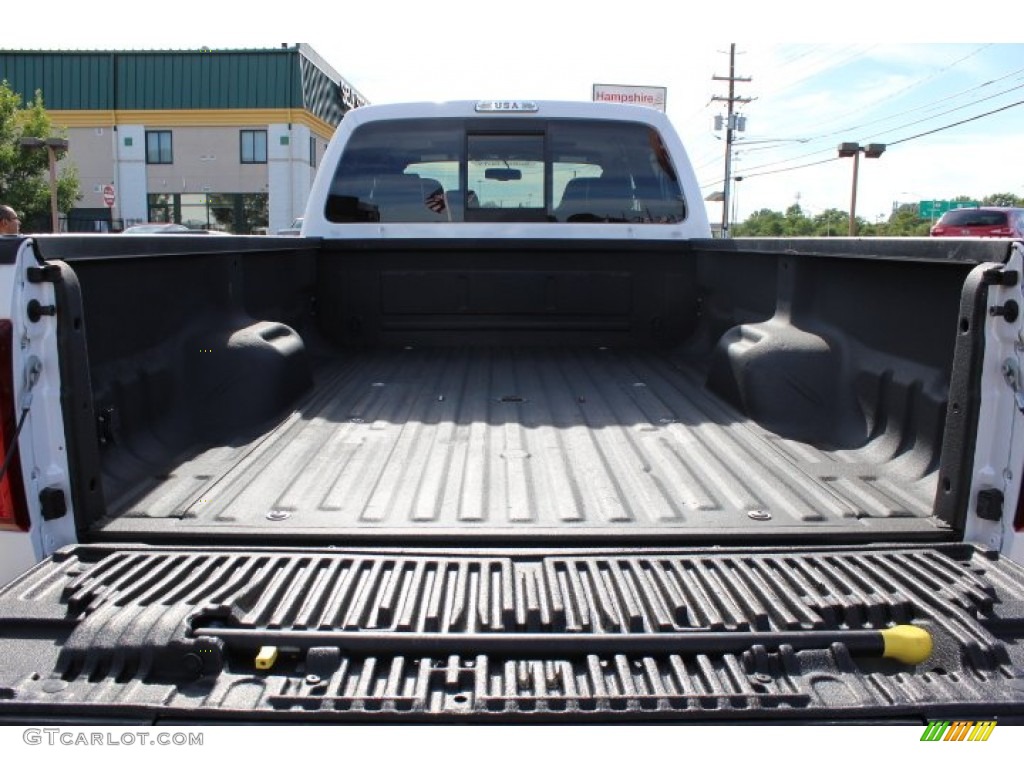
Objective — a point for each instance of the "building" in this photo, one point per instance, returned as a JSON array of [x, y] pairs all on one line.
[[217, 139]]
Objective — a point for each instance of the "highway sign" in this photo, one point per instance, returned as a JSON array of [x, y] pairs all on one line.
[[932, 209]]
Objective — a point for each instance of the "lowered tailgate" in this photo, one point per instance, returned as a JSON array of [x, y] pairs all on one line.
[[159, 633]]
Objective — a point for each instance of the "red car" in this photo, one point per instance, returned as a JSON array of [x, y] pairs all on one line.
[[980, 222]]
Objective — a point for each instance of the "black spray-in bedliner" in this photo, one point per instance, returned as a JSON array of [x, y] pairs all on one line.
[[529, 442]]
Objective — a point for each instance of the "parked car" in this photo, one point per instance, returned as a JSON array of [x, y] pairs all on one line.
[[980, 222], [161, 228], [156, 228]]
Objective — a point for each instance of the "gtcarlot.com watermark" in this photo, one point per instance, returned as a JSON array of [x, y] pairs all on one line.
[[79, 737]]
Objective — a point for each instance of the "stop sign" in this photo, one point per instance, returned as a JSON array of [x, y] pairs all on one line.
[[108, 195]]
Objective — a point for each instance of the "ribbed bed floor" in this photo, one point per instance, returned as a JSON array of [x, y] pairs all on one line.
[[531, 442]]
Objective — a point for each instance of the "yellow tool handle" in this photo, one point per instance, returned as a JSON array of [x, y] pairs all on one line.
[[906, 643]]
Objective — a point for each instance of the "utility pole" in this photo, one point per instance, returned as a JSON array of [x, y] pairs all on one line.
[[730, 126]]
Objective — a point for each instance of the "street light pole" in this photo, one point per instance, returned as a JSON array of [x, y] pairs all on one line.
[[736, 198], [54, 216], [52, 145], [853, 149], [853, 195]]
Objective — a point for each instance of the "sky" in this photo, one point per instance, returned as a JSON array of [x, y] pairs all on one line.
[[882, 75]]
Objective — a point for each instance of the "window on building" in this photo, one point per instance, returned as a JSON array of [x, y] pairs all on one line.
[[254, 146], [242, 214], [159, 149], [312, 151]]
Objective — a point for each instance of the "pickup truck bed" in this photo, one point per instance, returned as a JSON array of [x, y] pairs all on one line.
[[504, 481], [523, 442], [490, 391]]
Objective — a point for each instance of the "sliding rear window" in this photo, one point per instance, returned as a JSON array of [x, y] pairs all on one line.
[[523, 171]]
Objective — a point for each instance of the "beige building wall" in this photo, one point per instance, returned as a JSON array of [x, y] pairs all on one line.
[[206, 160], [91, 151]]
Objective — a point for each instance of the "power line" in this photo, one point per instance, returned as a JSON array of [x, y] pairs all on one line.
[[913, 85], [953, 125], [794, 168], [890, 130], [830, 60], [925, 106], [821, 67], [890, 144], [930, 104], [949, 111]]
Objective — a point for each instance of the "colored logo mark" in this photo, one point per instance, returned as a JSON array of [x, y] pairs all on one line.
[[961, 730]]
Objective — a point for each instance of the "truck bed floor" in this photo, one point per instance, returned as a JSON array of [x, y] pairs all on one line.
[[521, 443]]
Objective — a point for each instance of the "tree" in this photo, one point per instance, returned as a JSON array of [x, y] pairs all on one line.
[[797, 224], [1007, 199], [24, 174], [763, 223], [831, 223], [905, 221]]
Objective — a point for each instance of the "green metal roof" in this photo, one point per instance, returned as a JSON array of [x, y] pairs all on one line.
[[67, 81], [294, 77]]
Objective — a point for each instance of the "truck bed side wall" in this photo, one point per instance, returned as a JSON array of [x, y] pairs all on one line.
[[188, 345]]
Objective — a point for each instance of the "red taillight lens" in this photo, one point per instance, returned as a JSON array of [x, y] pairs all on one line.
[[13, 509], [1002, 232], [1018, 518]]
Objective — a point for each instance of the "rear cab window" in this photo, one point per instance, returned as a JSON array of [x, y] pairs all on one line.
[[454, 170]]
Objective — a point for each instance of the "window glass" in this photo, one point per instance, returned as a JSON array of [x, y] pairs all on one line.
[[535, 170], [389, 172], [972, 217], [506, 172], [159, 148], [254, 146], [241, 214], [612, 172]]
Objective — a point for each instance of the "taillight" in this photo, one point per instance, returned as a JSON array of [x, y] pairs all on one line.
[[1002, 232], [1018, 518], [13, 509]]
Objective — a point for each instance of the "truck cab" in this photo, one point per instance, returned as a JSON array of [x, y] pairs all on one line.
[[464, 167]]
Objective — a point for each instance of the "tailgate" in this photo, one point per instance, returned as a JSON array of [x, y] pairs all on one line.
[[215, 634]]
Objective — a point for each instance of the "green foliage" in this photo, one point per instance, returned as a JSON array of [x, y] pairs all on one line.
[[795, 223], [904, 221], [832, 223], [24, 174], [1007, 199], [763, 223]]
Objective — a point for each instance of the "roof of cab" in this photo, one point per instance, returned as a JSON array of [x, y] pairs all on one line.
[[543, 109]]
